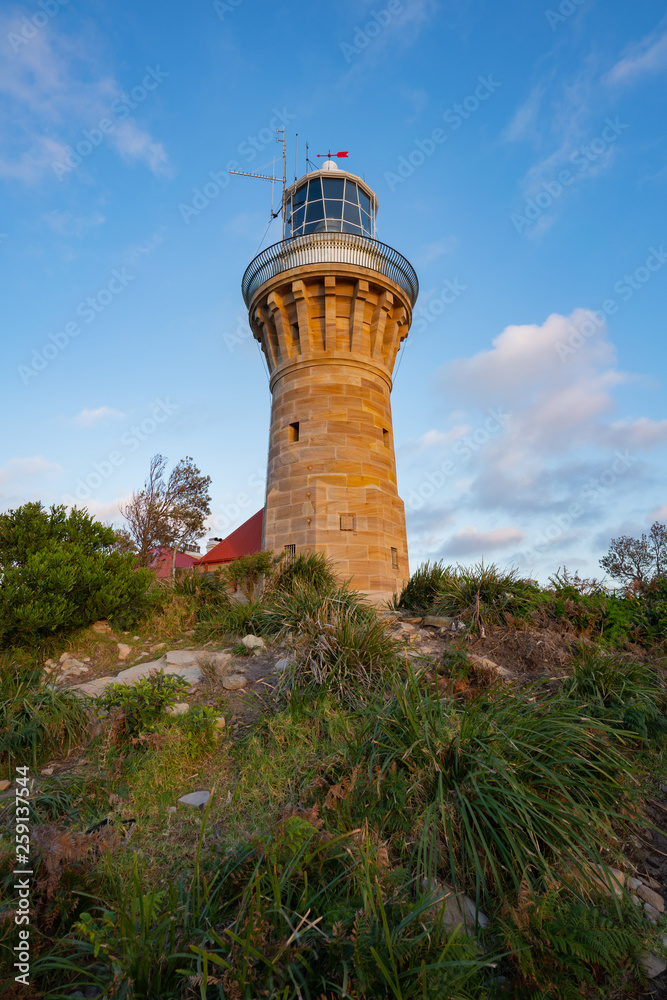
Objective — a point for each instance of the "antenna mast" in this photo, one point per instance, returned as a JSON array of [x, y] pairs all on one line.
[[280, 137]]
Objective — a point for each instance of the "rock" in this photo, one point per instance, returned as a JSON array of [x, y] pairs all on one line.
[[632, 884], [48, 771], [180, 708], [49, 663], [92, 689], [4, 785], [195, 799], [234, 682], [182, 657], [650, 896], [413, 621], [283, 664], [171, 810], [220, 661], [123, 650], [652, 965], [490, 665], [136, 638], [652, 913], [158, 645], [219, 724], [459, 909], [601, 878], [636, 900], [253, 642], [65, 656], [651, 883], [439, 621], [101, 627], [72, 668]]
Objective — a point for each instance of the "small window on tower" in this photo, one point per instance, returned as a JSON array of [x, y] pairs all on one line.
[[385, 437], [293, 432], [394, 558], [290, 551], [348, 522]]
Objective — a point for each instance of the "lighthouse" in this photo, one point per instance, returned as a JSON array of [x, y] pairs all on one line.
[[330, 306]]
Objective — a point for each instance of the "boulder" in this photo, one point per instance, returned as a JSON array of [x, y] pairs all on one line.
[[253, 642], [491, 666], [439, 621], [123, 650], [234, 682], [101, 627], [652, 913]]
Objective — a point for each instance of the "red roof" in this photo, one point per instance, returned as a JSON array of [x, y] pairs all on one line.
[[162, 562], [243, 542]]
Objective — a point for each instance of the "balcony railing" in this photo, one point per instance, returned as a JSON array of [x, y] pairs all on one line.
[[329, 248]]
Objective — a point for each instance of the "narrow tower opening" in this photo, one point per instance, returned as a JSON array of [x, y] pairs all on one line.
[[293, 432]]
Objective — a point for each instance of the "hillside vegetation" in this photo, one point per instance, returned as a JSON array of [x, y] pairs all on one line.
[[461, 796]]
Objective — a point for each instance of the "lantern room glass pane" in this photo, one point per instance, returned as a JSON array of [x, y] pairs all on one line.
[[364, 201], [334, 209], [351, 194], [314, 211], [314, 189], [351, 214], [300, 195], [333, 187]]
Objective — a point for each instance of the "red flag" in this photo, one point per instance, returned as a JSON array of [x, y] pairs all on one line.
[[341, 154]]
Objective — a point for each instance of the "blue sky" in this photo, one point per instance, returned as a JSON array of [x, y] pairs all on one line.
[[519, 155]]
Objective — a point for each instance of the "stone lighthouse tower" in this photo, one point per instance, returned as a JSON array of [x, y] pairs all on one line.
[[330, 306]]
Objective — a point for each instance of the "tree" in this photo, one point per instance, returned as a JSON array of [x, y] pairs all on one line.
[[638, 561], [168, 513], [59, 571]]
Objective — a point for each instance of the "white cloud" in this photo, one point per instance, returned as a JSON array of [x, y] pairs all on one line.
[[431, 251], [88, 418], [67, 224], [646, 56], [28, 468], [52, 90]]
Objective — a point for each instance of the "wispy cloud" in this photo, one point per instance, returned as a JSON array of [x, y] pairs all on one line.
[[646, 56], [469, 540], [431, 251], [67, 224], [52, 89], [103, 414]]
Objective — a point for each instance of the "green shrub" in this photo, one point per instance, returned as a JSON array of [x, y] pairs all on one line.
[[483, 594], [35, 721], [143, 703], [282, 612], [622, 692], [246, 573], [234, 619], [60, 573], [197, 725]]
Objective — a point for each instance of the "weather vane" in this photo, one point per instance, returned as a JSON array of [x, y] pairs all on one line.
[[330, 154]]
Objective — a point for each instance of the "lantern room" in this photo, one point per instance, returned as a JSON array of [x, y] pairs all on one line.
[[330, 200]]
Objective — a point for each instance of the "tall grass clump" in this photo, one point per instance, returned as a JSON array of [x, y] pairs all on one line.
[[310, 569], [36, 721], [207, 589], [621, 691], [510, 788], [424, 586], [482, 594]]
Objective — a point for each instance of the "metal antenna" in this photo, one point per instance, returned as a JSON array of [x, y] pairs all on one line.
[[296, 155], [280, 137]]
